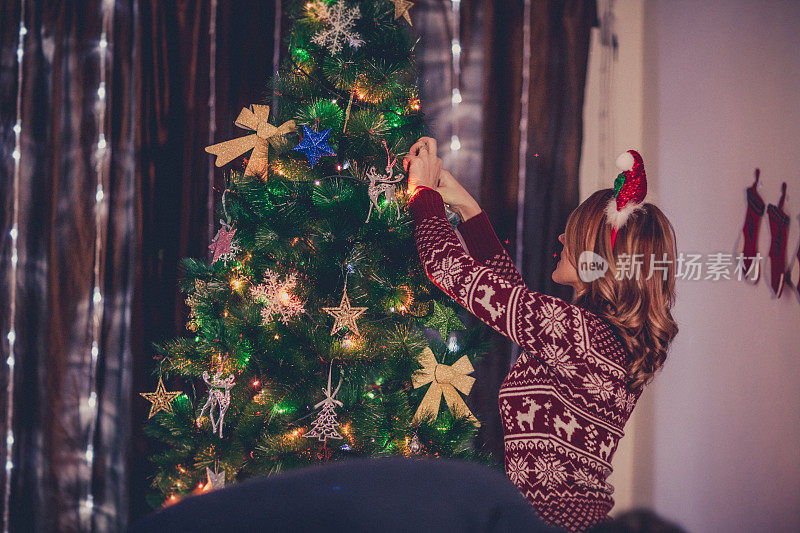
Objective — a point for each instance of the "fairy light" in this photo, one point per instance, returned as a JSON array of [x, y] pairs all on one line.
[[276, 47], [523, 142], [11, 336], [102, 159], [455, 74], [212, 110]]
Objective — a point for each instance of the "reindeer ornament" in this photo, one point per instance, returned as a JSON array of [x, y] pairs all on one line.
[[219, 394], [382, 184]]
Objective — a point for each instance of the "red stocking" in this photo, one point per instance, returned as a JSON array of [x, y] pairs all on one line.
[[778, 226], [752, 222]]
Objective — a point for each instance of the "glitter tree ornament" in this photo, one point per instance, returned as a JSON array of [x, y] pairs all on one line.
[[215, 479], [277, 298], [222, 245], [325, 425], [444, 320], [253, 119], [381, 184], [161, 399], [314, 145], [415, 446], [219, 395], [345, 314], [401, 8], [339, 20], [194, 300]]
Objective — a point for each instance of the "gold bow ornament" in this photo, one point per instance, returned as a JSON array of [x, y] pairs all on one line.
[[444, 380], [255, 119]]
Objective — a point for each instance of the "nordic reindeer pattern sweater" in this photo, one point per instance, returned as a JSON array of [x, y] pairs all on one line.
[[565, 402]]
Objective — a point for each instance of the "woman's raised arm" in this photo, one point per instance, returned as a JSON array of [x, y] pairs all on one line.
[[537, 322]]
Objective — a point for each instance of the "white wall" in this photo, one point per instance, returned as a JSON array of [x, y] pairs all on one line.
[[716, 438]]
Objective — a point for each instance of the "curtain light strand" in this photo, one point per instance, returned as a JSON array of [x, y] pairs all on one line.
[[455, 74], [522, 171], [102, 158], [11, 336], [212, 109]]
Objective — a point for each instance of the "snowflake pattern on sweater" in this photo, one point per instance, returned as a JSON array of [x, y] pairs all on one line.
[[565, 402]]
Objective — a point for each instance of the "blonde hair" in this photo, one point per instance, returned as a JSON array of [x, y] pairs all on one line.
[[637, 308]]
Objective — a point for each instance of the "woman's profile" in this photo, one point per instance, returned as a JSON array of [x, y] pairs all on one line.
[[584, 364]]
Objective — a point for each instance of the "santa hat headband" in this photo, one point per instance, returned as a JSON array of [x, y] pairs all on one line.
[[630, 188]]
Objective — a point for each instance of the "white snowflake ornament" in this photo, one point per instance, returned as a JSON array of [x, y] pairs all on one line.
[[277, 298], [339, 20]]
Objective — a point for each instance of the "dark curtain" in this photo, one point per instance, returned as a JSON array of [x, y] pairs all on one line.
[[559, 39], [156, 187]]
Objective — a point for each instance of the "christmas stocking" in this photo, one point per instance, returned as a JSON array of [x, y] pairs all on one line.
[[778, 226], [752, 222]]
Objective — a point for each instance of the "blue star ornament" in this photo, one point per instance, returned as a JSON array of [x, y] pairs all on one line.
[[314, 145]]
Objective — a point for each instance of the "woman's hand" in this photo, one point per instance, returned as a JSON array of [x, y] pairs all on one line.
[[422, 165], [457, 196]]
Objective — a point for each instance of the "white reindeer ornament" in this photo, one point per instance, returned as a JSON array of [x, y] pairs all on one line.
[[219, 394]]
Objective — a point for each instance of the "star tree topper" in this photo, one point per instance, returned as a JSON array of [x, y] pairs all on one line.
[[161, 399], [401, 8], [444, 320], [314, 145], [344, 314]]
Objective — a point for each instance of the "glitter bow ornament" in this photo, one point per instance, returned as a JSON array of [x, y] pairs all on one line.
[[444, 380], [265, 133]]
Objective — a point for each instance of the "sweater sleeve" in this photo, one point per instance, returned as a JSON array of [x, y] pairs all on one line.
[[529, 318], [483, 245]]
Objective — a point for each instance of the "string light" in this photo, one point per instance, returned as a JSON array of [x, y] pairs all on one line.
[[102, 158], [523, 142], [455, 73], [13, 233], [212, 110]]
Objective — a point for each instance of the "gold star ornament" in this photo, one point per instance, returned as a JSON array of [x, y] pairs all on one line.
[[161, 399], [401, 8], [344, 314]]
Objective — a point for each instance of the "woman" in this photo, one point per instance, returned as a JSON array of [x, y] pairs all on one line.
[[584, 364]]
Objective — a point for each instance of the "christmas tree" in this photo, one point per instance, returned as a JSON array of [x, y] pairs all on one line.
[[315, 278]]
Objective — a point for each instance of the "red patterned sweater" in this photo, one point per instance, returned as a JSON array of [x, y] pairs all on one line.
[[564, 403]]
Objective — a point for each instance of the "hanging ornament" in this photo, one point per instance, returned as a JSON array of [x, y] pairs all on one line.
[[314, 145], [382, 184], [161, 399], [339, 20], [215, 480], [401, 8], [415, 445], [344, 314], [444, 320], [444, 380], [194, 300], [219, 395], [277, 298], [325, 425], [265, 133], [222, 245]]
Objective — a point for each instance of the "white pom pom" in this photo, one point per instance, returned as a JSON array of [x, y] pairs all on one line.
[[625, 161]]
